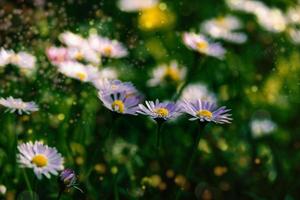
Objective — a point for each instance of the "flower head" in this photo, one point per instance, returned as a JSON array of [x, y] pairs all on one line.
[[120, 102], [18, 105], [136, 5], [68, 177], [167, 73], [44, 160], [160, 110], [78, 71], [57, 55], [206, 111], [5, 56], [224, 28], [201, 44], [197, 91], [71, 39], [106, 47], [21, 59], [260, 127], [107, 87]]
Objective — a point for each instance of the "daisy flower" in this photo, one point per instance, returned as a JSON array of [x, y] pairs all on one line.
[[136, 5], [167, 73], [160, 110], [5, 56], [120, 102], [57, 55], [261, 127], [201, 44], [18, 105], [84, 53], [206, 111], [107, 87], [197, 91], [71, 39], [78, 71], [44, 160], [23, 60], [106, 47], [224, 28]]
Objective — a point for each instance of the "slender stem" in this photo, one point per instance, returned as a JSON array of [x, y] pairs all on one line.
[[116, 191], [159, 125], [28, 183], [194, 152], [59, 194]]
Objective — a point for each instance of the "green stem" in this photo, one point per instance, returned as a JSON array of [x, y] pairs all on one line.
[[28, 183], [194, 152], [116, 191]]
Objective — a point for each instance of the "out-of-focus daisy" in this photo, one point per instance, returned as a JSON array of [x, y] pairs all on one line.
[[78, 71], [198, 91], [2, 190], [136, 5], [71, 39], [5, 56], [293, 15], [120, 102], [201, 44], [106, 47], [23, 60], [18, 105], [167, 73], [84, 53], [107, 87], [224, 28], [206, 111], [57, 55], [294, 35], [160, 110], [261, 127], [44, 160]]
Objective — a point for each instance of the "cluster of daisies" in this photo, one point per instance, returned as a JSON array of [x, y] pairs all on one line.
[[270, 18]]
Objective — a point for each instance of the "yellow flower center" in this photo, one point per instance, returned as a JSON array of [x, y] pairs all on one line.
[[40, 160], [15, 58], [172, 74], [107, 50], [221, 21], [204, 113], [81, 76], [118, 105], [79, 56], [162, 112], [202, 46]]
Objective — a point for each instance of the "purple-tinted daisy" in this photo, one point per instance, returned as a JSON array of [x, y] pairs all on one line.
[[120, 102], [107, 87], [68, 177], [206, 111], [16, 104], [160, 110]]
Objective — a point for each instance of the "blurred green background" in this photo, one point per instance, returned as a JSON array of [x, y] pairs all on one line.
[[258, 79]]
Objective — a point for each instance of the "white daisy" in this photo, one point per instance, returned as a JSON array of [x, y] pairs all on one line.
[[201, 44], [224, 28], [23, 60], [78, 71], [57, 55], [18, 105], [261, 127], [44, 160], [167, 73], [5, 57], [71, 39], [198, 91], [136, 5], [84, 53], [107, 47]]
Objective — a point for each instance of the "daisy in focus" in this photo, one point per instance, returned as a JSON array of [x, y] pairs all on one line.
[[44, 160], [206, 111], [201, 44], [120, 102], [78, 71], [18, 105], [224, 28], [160, 110], [136, 5], [167, 73], [107, 47], [197, 91]]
